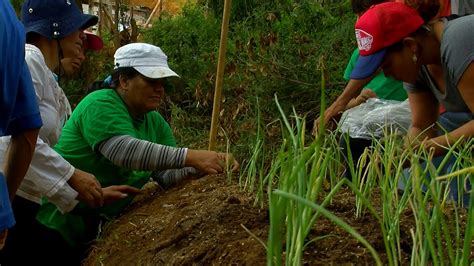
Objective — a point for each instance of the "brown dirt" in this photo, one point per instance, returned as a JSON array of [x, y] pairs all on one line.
[[202, 222], [195, 222]]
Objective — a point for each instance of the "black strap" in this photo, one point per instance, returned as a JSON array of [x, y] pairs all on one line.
[[60, 57], [453, 16]]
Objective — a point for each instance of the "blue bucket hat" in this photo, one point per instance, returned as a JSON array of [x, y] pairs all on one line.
[[54, 19]]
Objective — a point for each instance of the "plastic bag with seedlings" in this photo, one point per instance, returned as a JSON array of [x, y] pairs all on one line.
[[375, 117]]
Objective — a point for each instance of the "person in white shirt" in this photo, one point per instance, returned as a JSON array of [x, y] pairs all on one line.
[[54, 30]]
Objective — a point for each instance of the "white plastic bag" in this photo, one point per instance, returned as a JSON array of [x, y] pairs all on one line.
[[375, 116]]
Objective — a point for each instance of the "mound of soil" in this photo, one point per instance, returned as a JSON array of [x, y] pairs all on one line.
[[197, 221], [208, 220]]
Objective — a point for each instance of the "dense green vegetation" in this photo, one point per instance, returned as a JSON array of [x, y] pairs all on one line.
[[280, 53], [272, 49]]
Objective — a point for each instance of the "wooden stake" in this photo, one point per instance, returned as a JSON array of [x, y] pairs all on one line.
[[152, 14], [101, 18], [220, 75]]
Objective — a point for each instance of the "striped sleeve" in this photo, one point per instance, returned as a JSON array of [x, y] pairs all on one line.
[[167, 178], [135, 154]]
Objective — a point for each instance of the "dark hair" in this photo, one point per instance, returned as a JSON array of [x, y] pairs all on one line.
[[126, 72], [360, 6], [427, 9], [32, 37], [421, 31]]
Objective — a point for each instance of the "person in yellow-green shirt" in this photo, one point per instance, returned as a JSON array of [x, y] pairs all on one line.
[[117, 134]]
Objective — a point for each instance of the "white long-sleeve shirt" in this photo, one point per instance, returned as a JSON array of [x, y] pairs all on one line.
[[48, 173]]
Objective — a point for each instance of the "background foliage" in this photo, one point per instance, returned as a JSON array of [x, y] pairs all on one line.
[[274, 47]]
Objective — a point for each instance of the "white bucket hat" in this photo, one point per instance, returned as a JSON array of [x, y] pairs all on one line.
[[147, 59]]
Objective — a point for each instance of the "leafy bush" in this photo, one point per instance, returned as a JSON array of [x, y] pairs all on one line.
[[273, 47]]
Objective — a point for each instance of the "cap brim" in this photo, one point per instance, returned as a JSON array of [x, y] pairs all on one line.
[[156, 72], [40, 28], [88, 21], [76, 23], [93, 42], [367, 65]]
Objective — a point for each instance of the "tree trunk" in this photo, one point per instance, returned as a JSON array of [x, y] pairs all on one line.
[[116, 13], [101, 18], [91, 7], [116, 24]]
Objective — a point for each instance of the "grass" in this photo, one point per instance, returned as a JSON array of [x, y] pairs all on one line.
[[298, 173]]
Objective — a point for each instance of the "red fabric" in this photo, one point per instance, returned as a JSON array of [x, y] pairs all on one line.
[[93, 42], [445, 9], [385, 24], [441, 109]]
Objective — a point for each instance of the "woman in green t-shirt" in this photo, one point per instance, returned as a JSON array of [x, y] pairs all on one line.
[[118, 135]]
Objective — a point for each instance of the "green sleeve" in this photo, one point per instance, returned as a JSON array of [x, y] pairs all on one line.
[[103, 119], [167, 134], [350, 66]]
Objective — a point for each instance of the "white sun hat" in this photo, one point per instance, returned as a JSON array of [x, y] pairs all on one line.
[[147, 59]]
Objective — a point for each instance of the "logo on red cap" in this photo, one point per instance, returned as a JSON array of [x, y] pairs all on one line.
[[364, 40]]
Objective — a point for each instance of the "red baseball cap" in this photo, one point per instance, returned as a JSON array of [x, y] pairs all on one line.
[[379, 27], [92, 41]]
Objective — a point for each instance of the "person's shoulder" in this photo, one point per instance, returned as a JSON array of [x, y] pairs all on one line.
[[100, 100], [33, 52], [35, 59], [104, 92], [102, 95], [457, 40], [11, 29], [458, 27]]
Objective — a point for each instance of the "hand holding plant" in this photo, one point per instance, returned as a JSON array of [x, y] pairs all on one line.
[[210, 162], [230, 163], [427, 144], [331, 117], [362, 98]]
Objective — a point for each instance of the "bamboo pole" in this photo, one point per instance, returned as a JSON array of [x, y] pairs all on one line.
[[101, 17], [158, 4], [220, 75]]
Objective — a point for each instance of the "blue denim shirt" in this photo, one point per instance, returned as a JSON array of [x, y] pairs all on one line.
[[18, 106]]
